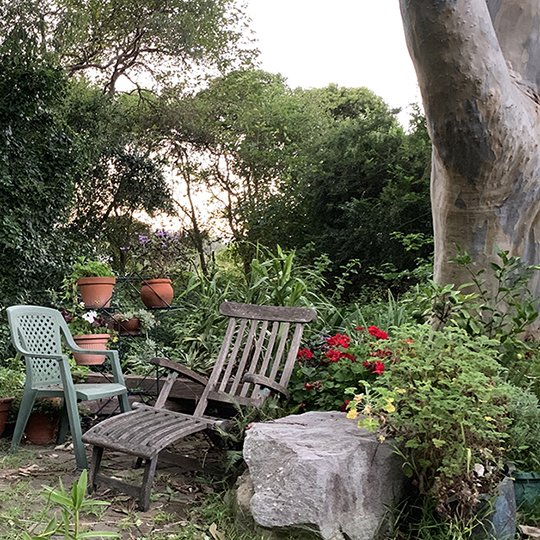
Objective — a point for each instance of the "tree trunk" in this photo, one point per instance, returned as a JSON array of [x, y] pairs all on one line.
[[478, 67]]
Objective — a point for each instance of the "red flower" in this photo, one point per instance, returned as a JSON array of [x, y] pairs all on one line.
[[359, 328], [304, 353], [344, 406], [379, 368], [339, 339], [351, 357], [376, 332], [374, 367], [333, 356]]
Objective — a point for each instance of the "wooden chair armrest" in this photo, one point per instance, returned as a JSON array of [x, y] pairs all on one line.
[[261, 380], [180, 369]]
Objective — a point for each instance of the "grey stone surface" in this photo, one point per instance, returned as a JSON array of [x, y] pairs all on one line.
[[319, 471]]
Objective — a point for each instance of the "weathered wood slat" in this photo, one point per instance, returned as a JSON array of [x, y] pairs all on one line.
[[182, 388], [165, 391], [291, 359], [180, 369], [254, 361], [268, 355], [269, 313], [261, 380], [129, 489]]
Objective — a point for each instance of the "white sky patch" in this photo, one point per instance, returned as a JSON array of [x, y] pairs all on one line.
[[350, 43]]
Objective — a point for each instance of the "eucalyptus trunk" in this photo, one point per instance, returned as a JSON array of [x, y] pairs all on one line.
[[478, 67]]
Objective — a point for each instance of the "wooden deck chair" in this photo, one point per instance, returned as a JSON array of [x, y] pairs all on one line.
[[256, 358], [38, 333]]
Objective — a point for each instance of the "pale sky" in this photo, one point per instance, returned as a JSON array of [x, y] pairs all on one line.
[[347, 42]]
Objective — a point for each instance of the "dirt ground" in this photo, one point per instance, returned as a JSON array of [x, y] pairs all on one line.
[[175, 490]]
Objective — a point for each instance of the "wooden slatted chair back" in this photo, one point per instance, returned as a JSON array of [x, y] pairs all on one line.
[[261, 341]]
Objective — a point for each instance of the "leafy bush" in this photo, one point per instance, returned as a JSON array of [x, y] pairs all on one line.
[[523, 447], [441, 398]]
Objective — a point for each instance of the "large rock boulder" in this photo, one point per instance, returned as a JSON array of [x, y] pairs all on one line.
[[320, 472]]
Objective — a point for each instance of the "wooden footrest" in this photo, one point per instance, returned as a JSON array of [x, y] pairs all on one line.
[[144, 432]]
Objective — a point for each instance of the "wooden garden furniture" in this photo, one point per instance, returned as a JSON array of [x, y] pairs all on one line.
[[38, 334], [256, 358]]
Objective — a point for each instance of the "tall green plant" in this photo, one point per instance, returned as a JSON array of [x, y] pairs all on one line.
[[71, 505]]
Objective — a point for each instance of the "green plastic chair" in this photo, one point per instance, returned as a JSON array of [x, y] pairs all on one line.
[[37, 333]]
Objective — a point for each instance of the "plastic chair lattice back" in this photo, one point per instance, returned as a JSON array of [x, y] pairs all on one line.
[[39, 333]]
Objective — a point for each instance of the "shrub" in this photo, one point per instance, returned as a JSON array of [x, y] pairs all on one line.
[[441, 398]]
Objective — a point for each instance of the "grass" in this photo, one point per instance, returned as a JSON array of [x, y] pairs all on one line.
[[185, 506]]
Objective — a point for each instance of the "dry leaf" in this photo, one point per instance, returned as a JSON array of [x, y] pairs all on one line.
[[533, 532], [217, 535]]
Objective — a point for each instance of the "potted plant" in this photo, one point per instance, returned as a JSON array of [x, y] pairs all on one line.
[[156, 255], [133, 322], [95, 281], [11, 387], [90, 331], [43, 422]]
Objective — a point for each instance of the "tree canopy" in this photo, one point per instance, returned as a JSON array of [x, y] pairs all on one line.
[[121, 38]]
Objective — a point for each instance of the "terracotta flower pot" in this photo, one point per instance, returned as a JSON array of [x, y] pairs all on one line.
[[96, 342], [96, 292], [131, 327], [41, 428], [156, 293], [5, 407]]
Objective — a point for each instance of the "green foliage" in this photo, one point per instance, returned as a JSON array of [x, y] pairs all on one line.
[[442, 399], [11, 381], [88, 268], [330, 168], [121, 39], [71, 505], [504, 315], [38, 163], [276, 279], [147, 320], [159, 253], [511, 308], [523, 445], [118, 177], [369, 180]]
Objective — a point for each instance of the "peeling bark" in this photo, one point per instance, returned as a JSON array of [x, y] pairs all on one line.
[[478, 67]]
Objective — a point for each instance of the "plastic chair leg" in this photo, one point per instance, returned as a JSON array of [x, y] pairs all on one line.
[[76, 433], [124, 403], [27, 403], [64, 425]]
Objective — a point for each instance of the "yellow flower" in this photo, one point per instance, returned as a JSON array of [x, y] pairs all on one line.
[[352, 414], [389, 407]]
